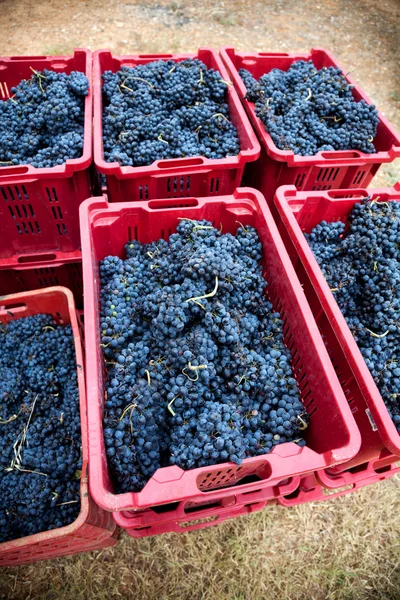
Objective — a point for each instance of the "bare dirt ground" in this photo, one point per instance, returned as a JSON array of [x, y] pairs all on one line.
[[363, 34], [345, 549]]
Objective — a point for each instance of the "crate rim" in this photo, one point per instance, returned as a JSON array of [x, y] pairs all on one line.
[[196, 164], [132, 500], [317, 160]]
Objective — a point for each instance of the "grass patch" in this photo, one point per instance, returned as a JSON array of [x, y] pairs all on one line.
[[343, 549]]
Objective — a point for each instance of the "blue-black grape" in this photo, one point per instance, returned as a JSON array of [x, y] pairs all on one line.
[[42, 123], [197, 369], [362, 266], [40, 433], [309, 110], [166, 109]]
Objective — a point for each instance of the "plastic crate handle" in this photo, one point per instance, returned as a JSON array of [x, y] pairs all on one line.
[[13, 170], [12, 308]]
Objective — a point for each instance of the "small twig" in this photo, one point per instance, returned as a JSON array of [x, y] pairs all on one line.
[[69, 502], [20, 441], [194, 368], [201, 80], [9, 420], [309, 94], [375, 201], [170, 405], [242, 377], [220, 115], [210, 295], [29, 471], [148, 376], [40, 76], [377, 335], [172, 69], [190, 378], [197, 131], [131, 407], [225, 82], [303, 425], [138, 79], [195, 226], [37, 73], [242, 226], [160, 139]]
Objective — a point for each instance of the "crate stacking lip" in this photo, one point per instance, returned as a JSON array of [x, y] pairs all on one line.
[[182, 511], [39, 207], [174, 178], [193, 522], [324, 170], [299, 212], [93, 529], [105, 229], [321, 486]]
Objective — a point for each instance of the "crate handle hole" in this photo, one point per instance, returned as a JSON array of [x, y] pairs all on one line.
[[12, 307], [173, 203], [29, 258], [180, 162], [339, 155], [17, 170], [155, 56]]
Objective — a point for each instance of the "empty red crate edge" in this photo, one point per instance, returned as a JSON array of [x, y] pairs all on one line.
[[286, 200], [93, 528], [171, 484], [331, 158]]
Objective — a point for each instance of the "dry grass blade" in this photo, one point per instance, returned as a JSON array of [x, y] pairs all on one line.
[[342, 549]]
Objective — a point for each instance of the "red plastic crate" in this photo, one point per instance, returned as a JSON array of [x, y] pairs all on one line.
[[332, 435], [320, 486], [180, 511], [298, 212], [94, 528], [325, 170], [172, 178], [202, 521], [52, 271], [39, 208]]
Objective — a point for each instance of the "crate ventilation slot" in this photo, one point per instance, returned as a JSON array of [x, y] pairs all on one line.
[[299, 180], [220, 478], [359, 177]]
